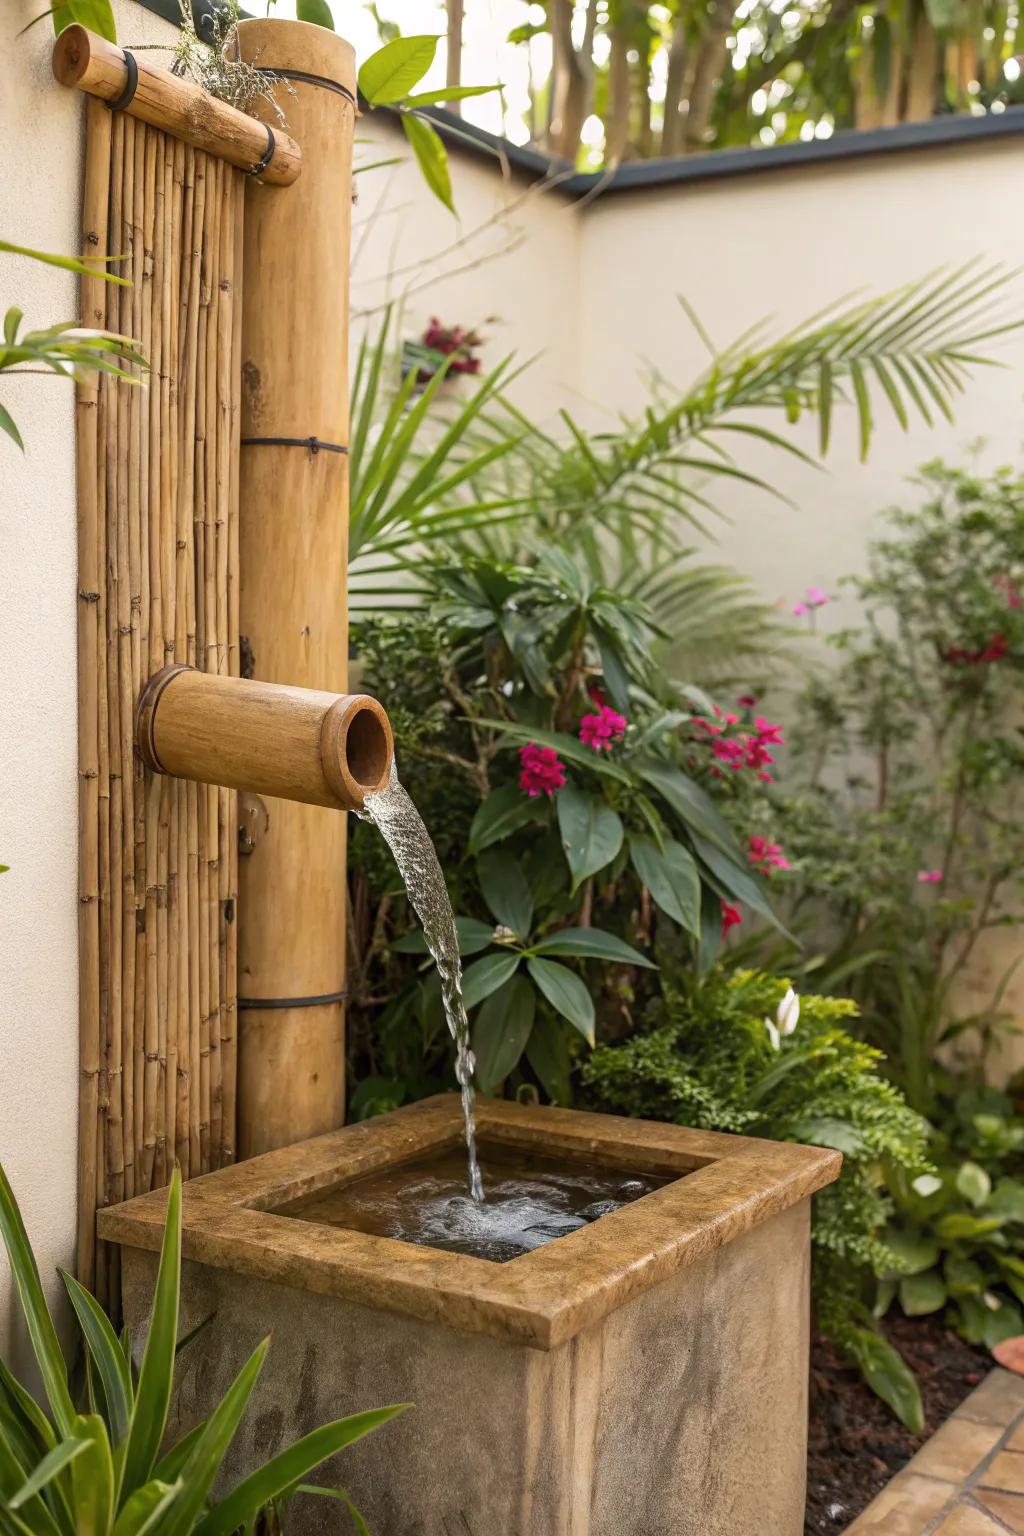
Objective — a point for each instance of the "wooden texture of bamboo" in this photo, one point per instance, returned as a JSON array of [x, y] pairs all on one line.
[[158, 485]]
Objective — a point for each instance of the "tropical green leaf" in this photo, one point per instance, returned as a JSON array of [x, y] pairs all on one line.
[[506, 890], [592, 943], [566, 993], [33, 1305], [692, 804], [46, 1470], [958, 1224], [431, 157], [672, 877], [8, 425], [914, 1252], [153, 1396], [97, 15], [473, 937], [390, 74], [547, 1051], [887, 1374], [289, 1467], [92, 1478], [501, 1031], [485, 976], [591, 832], [446, 93], [105, 1350], [973, 1183], [504, 811], [143, 1509], [921, 1294], [96, 268], [316, 11]]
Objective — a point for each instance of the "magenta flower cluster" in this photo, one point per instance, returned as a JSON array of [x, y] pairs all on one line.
[[746, 750], [599, 731], [766, 856], [813, 598], [541, 770]]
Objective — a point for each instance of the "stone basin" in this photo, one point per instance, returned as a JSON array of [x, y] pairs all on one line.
[[645, 1375]]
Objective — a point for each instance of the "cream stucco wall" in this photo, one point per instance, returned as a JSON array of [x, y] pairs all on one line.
[[40, 195], [589, 292]]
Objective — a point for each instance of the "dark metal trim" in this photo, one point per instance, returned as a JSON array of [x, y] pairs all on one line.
[[267, 156], [127, 96], [293, 1002], [301, 78], [315, 445]]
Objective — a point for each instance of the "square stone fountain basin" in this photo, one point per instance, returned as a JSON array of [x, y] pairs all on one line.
[[644, 1375]]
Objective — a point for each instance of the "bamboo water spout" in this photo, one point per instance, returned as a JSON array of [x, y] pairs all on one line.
[[295, 743]]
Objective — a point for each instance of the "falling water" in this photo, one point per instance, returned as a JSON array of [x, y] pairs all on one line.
[[399, 822]]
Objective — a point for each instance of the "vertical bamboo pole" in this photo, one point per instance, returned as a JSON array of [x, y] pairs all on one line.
[[293, 512]]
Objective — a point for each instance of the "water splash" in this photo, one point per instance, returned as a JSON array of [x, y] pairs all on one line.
[[400, 824]]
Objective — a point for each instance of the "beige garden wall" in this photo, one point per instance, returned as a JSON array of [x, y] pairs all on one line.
[[40, 196]]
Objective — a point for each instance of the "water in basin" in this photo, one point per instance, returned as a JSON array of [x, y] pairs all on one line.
[[531, 1200]]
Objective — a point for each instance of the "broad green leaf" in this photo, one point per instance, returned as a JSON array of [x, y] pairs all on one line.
[[485, 976], [921, 1294], [446, 93], [105, 1350], [204, 1459], [25, 1410], [316, 11], [1002, 1323], [168, 1468], [736, 882], [431, 157], [672, 877], [506, 890], [958, 1224], [503, 812], [547, 1051], [92, 1478], [830, 1131], [1007, 1199], [885, 1295], [594, 944], [887, 1374], [53, 1462], [144, 1508], [566, 993], [501, 1031], [963, 1276], [973, 1183], [152, 1399], [289, 1467], [692, 804], [914, 1253], [97, 15], [591, 832], [566, 746], [33, 1305], [473, 937], [390, 73]]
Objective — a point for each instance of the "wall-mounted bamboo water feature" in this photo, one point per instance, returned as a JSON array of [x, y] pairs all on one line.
[[172, 573]]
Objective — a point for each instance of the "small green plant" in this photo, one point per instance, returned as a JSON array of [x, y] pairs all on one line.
[[957, 1235], [740, 1052], [104, 1470]]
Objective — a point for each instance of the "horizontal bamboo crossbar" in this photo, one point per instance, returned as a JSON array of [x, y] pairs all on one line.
[[184, 110]]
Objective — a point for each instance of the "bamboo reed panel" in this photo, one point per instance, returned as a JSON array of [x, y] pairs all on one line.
[[158, 482]]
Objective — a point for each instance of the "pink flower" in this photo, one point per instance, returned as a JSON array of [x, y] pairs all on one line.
[[600, 730], [800, 609], [731, 917], [541, 771], [767, 856], [746, 700], [929, 876], [816, 598]]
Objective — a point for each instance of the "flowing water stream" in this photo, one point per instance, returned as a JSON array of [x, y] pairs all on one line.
[[400, 824]]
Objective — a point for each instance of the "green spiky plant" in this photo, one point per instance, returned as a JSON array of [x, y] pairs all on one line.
[[104, 1470]]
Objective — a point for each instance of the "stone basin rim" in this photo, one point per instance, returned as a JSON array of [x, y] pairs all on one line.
[[726, 1186]]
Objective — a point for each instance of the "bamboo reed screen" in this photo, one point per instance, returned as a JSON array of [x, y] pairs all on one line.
[[158, 579]]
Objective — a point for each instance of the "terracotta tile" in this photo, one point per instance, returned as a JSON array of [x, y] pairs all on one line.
[[999, 1399], [955, 1450], [965, 1520], [1006, 1471], [904, 1508], [1009, 1507]]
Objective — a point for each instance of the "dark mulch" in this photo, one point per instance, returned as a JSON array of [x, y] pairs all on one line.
[[856, 1444]]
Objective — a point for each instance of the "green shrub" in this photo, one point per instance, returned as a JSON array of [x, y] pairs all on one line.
[[104, 1470], [717, 1055]]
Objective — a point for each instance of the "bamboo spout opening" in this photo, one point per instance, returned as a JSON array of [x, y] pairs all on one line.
[[296, 743]]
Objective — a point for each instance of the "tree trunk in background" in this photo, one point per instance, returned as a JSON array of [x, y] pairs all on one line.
[[707, 72], [961, 66], [672, 129], [568, 83], [619, 87], [870, 110], [922, 73], [453, 68]]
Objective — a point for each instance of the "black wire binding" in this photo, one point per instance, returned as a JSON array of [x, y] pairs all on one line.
[[268, 154], [314, 444], [304, 79], [127, 96], [292, 1002]]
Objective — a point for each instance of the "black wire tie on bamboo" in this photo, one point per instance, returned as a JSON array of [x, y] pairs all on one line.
[[293, 1002], [301, 78], [268, 154], [131, 85], [315, 445]]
